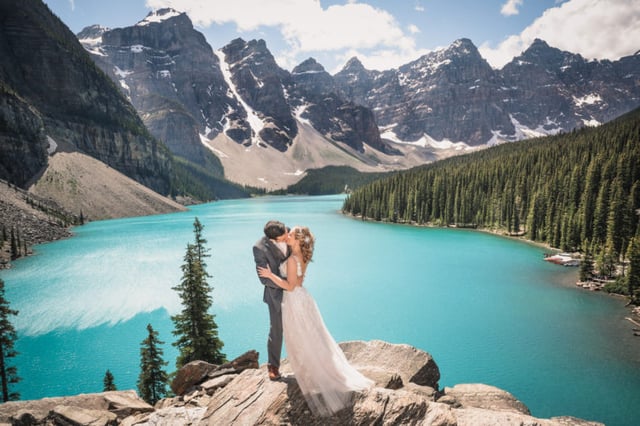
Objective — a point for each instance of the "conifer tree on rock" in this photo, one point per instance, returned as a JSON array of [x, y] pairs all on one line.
[[108, 381], [8, 337], [152, 382], [195, 327]]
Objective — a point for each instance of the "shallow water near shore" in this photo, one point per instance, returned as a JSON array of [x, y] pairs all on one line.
[[487, 308]]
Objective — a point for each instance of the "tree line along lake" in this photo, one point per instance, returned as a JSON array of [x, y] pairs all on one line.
[[487, 308]]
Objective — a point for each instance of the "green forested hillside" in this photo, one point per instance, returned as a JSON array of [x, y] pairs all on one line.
[[333, 180], [578, 191]]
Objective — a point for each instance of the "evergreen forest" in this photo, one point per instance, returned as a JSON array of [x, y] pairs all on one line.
[[577, 191], [332, 180]]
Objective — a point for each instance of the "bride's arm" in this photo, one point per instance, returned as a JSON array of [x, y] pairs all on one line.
[[292, 277]]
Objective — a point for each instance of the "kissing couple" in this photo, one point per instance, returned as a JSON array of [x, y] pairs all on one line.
[[321, 369]]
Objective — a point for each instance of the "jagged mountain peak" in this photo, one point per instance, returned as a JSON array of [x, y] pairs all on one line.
[[309, 65], [160, 15], [354, 65], [540, 53], [240, 43], [238, 49], [539, 44], [461, 54], [462, 46], [353, 71], [92, 32]]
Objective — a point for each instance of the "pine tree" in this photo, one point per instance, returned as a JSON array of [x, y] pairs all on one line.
[[8, 336], [14, 245], [152, 382], [633, 279], [195, 327], [586, 267], [108, 381]]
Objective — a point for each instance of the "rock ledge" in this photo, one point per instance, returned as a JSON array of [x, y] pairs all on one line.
[[406, 391]]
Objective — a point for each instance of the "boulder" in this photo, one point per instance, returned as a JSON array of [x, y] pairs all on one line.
[[483, 396], [67, 415], [102, 407], [381, 361], [190, 375], [197, 372]]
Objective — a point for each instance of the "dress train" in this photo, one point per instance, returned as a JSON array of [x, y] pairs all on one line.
[[322, 371]]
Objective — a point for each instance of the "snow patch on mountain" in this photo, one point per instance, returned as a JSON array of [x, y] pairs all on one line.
[[589, 99], [425, 141], [253, 119], [298, 114], [122, 78], [525, 132], [53, 146], [591, 123], [158, 16]]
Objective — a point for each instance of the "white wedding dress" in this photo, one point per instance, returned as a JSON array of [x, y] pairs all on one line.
[[321, 369]]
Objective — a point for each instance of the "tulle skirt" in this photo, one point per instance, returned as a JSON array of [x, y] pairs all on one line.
[[321, 369]]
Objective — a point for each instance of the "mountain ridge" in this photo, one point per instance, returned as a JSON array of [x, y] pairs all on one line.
[[448, 101]]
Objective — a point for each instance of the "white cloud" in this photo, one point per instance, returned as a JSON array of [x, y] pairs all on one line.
[[511, 7], [413, 29], [419, 8], [304, 24], [596, 29], [72, 3]]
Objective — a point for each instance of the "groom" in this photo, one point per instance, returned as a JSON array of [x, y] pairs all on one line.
[[272, 250]]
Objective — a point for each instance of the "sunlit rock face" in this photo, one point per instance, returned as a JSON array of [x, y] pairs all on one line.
[[51, 90]]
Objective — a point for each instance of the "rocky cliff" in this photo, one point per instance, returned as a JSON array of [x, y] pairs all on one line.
[[170, 75], [197, 99], [452, 95], [406, 391], [446, 102], [317, 100], [185, 91], [50, 87]]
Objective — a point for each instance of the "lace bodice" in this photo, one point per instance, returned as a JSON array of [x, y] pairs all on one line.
[[283, 267]]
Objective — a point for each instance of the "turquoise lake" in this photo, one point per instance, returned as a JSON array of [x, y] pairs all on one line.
[[487, 308]]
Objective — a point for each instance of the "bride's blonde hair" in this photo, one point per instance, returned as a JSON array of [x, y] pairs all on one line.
[[306, 240]]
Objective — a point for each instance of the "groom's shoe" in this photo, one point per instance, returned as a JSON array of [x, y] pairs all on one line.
[[274, 374]]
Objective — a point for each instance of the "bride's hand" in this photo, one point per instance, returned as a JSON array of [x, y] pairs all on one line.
[[264, 272]]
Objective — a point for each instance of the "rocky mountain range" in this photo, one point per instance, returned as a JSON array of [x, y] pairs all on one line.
[[448, 101], [454, 95], [167, 110], [235, 102]]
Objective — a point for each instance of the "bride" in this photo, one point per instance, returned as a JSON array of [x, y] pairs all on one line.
[[322, 371]]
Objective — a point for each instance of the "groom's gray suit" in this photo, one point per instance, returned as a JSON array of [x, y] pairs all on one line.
[[266, 252]]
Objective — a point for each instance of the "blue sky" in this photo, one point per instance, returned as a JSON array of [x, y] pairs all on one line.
[[385, 34]]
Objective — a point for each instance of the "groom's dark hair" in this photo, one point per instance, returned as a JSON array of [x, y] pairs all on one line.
[[274, 228]]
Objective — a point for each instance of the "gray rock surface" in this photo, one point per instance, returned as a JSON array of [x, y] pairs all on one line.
[[243, 395]]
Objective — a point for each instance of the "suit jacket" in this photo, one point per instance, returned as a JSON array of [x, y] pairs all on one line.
[[265, 252]]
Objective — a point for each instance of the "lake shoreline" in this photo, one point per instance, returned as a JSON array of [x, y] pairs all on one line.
[[567, 282]]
